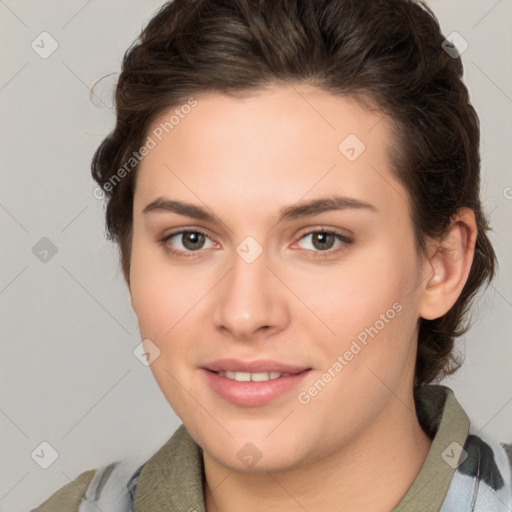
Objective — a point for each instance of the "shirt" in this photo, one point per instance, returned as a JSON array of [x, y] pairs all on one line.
[[464, 471]]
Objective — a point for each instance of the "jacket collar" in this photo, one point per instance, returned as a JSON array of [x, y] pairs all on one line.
[[172, 479]]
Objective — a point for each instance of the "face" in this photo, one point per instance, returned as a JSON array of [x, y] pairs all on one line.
[[270, 235]]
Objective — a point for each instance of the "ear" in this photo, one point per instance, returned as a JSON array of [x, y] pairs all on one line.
[[447, 266]]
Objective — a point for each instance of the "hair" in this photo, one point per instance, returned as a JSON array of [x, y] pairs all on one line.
[[386, 53]]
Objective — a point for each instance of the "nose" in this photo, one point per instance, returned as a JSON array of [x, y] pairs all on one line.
[[250, 301]]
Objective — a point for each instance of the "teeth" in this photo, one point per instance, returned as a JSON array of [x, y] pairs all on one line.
[[255, 377], [262, 376]]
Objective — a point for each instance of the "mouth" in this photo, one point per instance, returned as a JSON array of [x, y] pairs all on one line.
[[253, 377], [253, 383], [260, 367]]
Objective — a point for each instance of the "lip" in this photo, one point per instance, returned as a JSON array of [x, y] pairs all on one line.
[[250, 393], [261, 365]]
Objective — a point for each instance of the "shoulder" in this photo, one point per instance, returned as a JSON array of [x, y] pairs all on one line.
[[477, 466], [68, 498], [107, 488], [112, 487], [483, 478]]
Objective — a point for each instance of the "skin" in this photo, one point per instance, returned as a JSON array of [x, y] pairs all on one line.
[[357, 445]]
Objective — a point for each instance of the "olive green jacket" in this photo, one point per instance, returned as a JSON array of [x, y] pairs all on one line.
[[464, 471]]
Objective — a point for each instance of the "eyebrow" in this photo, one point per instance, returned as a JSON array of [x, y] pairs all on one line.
[[296, 211]]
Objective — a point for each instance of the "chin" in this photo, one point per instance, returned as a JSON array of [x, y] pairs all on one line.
[[250, 451], [250, 459]]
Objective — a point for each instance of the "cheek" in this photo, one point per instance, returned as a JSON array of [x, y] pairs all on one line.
[[163, 301], [372, 312], [166, 300], [353, 295], [160, 295], [371, 307]]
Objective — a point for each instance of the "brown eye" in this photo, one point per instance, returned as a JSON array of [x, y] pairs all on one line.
[[193, 240], [186, 242], [323, 241]]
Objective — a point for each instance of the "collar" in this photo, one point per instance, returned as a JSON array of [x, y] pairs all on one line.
[[172, 479]]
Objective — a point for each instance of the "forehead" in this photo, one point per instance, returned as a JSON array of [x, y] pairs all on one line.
[[273, 146]]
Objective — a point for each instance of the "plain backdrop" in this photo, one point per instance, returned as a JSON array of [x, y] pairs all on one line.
[[68, 373]]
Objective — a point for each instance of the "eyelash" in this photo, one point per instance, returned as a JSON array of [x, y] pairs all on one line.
[[316, 254]]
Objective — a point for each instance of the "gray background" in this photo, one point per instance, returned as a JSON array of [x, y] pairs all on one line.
[[68, 373]]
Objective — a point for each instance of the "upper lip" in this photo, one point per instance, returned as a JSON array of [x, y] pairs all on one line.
[[261, 365]]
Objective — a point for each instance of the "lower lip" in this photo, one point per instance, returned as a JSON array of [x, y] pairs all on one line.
[[252, 394]]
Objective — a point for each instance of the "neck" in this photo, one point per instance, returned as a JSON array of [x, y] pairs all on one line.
[[373, 473]]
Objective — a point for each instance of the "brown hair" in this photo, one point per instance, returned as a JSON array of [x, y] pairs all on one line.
[[387, 51]]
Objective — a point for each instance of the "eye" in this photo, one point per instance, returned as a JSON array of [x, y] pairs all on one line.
[[322, 242], [190, 242], [186, 241]]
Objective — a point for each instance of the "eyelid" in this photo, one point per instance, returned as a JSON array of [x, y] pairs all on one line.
[[320, 228], [163, 240], [186, 229], [344, 238]]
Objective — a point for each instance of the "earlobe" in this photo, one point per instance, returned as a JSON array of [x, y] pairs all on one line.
[[448, 266]]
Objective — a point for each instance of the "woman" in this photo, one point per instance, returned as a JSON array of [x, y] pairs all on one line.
[[294, 189]]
